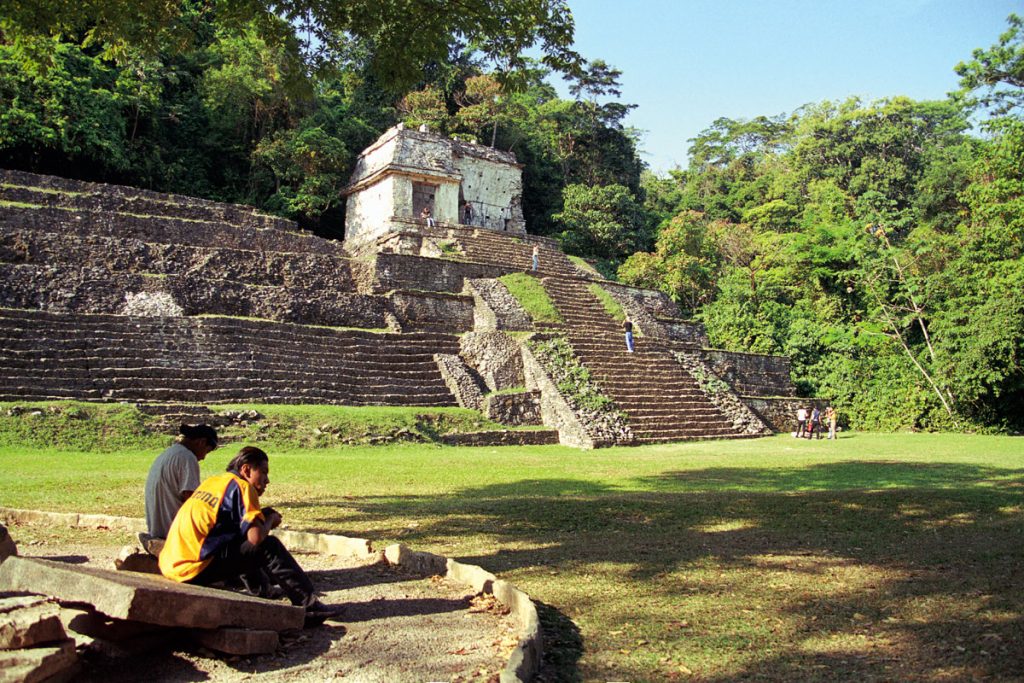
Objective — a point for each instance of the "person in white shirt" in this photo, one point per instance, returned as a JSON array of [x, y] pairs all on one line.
[[801, 422], [174, 475]]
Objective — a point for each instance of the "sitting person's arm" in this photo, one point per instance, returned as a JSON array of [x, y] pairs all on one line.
[[261, 528]]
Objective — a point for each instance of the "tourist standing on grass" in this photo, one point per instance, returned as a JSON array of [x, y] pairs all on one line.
[[815, 423], [536, 257], [801, 422], [830, 417], [174, 475], [222, 534], [628, 327]]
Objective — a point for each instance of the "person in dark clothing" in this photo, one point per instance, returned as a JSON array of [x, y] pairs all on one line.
[[815, 425]]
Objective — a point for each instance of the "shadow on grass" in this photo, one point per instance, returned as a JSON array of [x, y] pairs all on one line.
[[931, 534]]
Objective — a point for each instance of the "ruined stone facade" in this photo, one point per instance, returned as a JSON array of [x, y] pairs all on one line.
[[407, 171]]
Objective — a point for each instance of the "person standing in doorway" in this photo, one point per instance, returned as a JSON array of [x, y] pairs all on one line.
[[628, 327]]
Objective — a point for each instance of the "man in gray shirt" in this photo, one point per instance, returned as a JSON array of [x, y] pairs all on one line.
[[174, 475]]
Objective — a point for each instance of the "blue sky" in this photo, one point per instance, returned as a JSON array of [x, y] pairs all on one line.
[[686, 63]]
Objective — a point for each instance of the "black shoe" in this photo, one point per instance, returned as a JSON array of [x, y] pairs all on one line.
[[317, 613]]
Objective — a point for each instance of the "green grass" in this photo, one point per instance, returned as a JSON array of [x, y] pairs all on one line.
[[19, 205], [586, 267], [111, 427], [876, 557], [530, 294], [611, 306]]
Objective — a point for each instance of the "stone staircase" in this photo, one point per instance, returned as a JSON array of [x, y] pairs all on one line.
[[214, 360], [662, 402]]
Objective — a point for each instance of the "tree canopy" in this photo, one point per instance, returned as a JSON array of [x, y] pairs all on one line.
[[405, 34]]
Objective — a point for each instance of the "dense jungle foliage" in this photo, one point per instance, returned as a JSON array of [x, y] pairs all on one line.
[[878, 244]]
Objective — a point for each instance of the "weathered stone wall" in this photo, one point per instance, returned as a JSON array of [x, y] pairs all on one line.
[[587, 426], [493, 189], [460, 381], [656, 315], [53, 191], [752, 374], [496, 356], [395, 271], [656, 304], [97, 290], [495, 308], [742, 417], [433, 311], [523, 408], [376, 200], [780, 413], [305, 270], [685, 332], [555, 411]]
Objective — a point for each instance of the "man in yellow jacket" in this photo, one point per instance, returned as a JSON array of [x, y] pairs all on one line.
[[222, 534]]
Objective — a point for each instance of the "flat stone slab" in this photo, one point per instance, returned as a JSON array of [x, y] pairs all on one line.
[[146, 598], [56, 663], [29, 621], [239, 641]]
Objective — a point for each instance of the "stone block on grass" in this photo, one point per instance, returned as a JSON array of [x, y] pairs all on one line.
[[146, 598]]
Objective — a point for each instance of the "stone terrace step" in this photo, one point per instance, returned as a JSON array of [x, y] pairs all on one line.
[[161, 229], [53, 191], [246, 266], [215, 361]]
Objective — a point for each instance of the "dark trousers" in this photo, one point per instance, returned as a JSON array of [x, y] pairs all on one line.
[[243, 560]]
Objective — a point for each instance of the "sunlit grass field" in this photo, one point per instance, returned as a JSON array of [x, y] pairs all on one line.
[[875, 557]]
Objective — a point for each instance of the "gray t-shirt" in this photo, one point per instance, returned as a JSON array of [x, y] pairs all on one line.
[[174, 471]]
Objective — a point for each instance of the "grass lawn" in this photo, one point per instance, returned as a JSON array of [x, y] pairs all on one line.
[[877, 557]]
